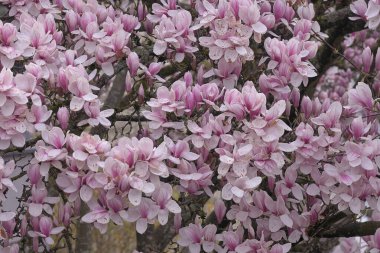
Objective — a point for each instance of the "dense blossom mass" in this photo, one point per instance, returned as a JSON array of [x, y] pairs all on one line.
[[227, 103]]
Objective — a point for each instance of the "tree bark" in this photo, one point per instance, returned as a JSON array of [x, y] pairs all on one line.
[[337, 24]]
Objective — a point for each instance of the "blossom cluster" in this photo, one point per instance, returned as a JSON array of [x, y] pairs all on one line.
[[225, 126]]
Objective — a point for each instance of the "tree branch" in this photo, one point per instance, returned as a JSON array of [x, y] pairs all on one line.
[[351, 230], [337, 25]]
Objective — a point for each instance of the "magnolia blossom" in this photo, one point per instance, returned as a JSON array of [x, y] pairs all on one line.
[[226, 122]]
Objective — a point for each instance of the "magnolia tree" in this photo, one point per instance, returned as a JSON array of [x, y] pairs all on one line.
[[265, 111]]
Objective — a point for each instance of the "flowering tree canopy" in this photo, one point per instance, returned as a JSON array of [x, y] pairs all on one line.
[[266, 111]]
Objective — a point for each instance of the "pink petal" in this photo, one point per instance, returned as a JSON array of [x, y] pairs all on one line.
[[134, 197], [85, 193], [7, 216], [190, 156], [141, 226], [35, 209], [160, 47], [275, 223], [259, 27], [173, 207]]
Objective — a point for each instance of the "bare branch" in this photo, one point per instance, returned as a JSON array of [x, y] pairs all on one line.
[[351, 230]]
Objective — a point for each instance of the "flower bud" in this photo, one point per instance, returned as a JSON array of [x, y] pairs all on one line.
[[34, 174], [220, 210], [188, 78], [279, 9], [8, 34], [133, 63], [141, 11], [306, 106], [367, 59], [71, 20], [128, 82], [377, 60], [63, 116]]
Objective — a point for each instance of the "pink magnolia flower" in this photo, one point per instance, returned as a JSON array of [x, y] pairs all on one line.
[[358, 128], [194, 178], [195, 237], [191, 237], [342, 173], [142, 214], [367, 59], [219, 209], [210, 93], [280, 215], [231, 44], [244, 213], [38, 116], [359, 8], [360, 97], [40, 201], [10, 47], [273, 84], [227, 73], [63, 117], [233, 103], [87, 147], [268, 158], [330, 119], [231, 239], [372, 14], [45, 229], [179, 150], [104, 210], [163, 198], [306, 143], [54, 137], [236, 189], [254, 101], [270, 127], [200, 134], [81, 90], [250, 14], [133, 63], [289, 184], [162, 9], [6, 170], [359, 155], [239, 157], [96, 116]]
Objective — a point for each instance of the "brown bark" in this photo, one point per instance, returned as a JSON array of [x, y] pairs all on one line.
[[336, 25]]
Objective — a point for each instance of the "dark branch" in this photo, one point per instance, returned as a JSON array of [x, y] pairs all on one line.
[[351, 230], [336, 25]]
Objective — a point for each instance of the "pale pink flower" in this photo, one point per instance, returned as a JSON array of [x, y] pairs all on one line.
[[193, 179], [270, 127], [360, 155], [6, 170], [39, 201], [96, 116], [163, 198], [142, 214], [45, 230], [63, 117], [81, 90], [342, 173], [359, 8], [330, 119], [179, 150], [361, 97]]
